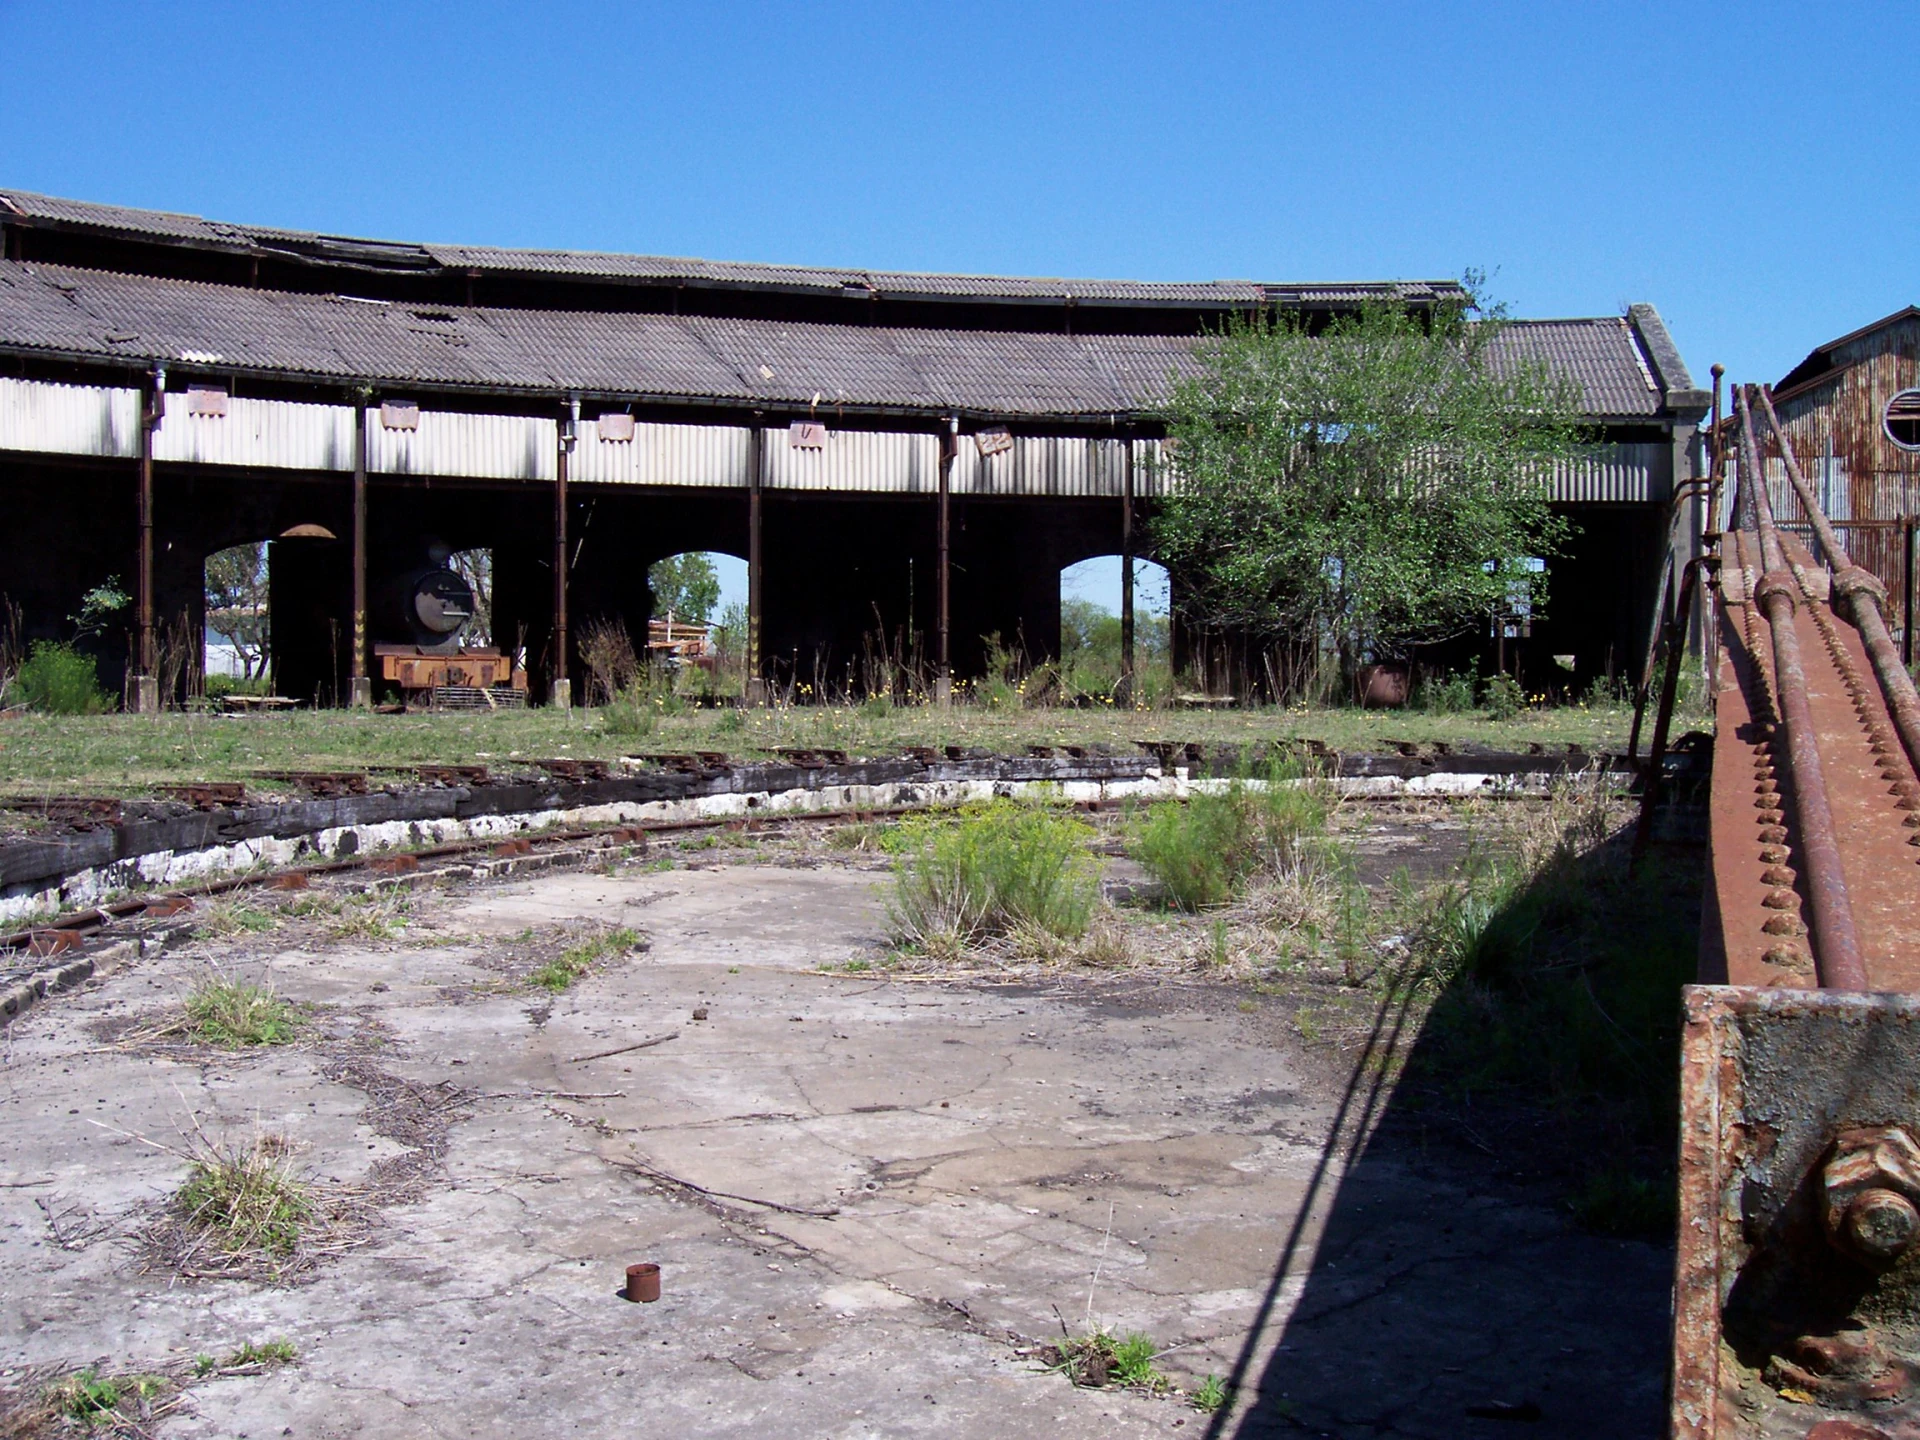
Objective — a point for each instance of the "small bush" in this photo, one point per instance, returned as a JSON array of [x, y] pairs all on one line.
[[992, 871], [1450, 694], [58, 680], [235, 1014], [1504, 697]]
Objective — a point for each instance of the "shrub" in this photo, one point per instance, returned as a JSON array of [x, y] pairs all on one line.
[[59, 680], [992, 871], [1504, 697], [1202, 850]]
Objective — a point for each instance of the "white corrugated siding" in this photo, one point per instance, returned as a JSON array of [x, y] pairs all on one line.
[[873, 461], [479, 447], [69, 419], [281, 434], [1043, 465], [664, 455]]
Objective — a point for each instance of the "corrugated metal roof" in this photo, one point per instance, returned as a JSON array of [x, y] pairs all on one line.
[[584, 264], [1602, 357], [95, 313]]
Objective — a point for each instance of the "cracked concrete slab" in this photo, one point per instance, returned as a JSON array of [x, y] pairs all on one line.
[[864, 1194]]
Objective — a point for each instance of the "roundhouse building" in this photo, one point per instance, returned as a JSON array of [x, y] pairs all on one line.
[[905, 457]]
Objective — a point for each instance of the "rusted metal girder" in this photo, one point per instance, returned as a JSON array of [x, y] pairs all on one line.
[[561, 690], [1836, 943], [1860, 595], [360, 687]]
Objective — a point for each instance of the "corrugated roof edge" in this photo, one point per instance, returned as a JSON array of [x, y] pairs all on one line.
[[176, 228]]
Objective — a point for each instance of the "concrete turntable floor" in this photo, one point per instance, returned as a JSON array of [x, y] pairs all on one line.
[[868, 1195]]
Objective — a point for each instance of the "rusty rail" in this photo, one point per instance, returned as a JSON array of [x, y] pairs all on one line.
[[1835, 940]]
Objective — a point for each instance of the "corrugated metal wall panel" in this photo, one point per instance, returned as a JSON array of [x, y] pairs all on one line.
[[1614, 474], [664, 455], [873, 461], [278, 434], [1043, 465], [479, 447], [69, 419]]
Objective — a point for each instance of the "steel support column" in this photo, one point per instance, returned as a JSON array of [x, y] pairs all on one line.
[[359, 686], [1126, 577], [943, 673], [560, 688], [143, 686], [756, 680]]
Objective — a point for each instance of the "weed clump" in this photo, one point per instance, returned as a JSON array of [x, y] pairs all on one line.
[[91, 1399], [245, 1201], [236, 1014], [1000, 869], [1104, 1358]]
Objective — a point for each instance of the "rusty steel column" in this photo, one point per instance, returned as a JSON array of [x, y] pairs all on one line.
[[359, 687], [143, 688], [1857, 595], [560, 688], [1906, 598], [1836, 943], [1126, 575], [756, 680], [943, 659]]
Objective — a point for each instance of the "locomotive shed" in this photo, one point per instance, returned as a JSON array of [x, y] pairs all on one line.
[[889, 453]]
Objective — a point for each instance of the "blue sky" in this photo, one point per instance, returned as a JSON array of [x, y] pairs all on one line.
[[1749, 170]]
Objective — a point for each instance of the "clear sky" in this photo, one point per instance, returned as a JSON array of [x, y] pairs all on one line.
[[1748, 170]]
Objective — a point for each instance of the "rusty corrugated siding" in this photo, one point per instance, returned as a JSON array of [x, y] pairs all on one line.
[[1841, 415]]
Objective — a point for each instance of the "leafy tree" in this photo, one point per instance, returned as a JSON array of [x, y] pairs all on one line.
[[688, 585], [1359, 491], [237, 604]]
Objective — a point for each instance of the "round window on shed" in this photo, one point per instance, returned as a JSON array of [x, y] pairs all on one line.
[[1903, 420]]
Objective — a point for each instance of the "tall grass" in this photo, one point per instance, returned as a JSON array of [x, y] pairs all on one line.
[[991, 871]]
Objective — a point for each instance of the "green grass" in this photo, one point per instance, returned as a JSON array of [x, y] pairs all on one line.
[[1209, 1395], [126, 754], [579, 959], [90, 1399], [236, 1014], [265, 1355]]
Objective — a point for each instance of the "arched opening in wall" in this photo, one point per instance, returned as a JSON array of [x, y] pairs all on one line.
[[1903, 420], [1092, 634], [476, 568], [694, 645], [236, 643]]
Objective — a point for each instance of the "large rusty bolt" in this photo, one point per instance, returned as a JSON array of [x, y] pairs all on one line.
[[1869, 1190]]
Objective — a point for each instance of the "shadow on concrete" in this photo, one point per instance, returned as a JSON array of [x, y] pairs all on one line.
[[1437, 1282]]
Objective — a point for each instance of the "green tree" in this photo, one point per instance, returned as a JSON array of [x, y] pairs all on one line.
[[688, 585], [1359, 491]]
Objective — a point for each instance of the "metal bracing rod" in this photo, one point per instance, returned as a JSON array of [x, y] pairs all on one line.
[[1836, 943], [1860, 594]]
